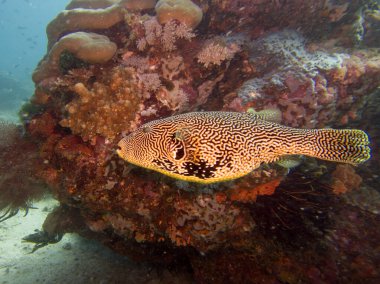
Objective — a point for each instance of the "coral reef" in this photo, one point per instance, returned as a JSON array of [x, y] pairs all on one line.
[[312, 87], [253, 16], [19, 185], [371, 26], [83, 19], [138, 4], [9, 133], [166, 34], [215, 53], [116, 105], [345, 179], [88, 47], [184, 11], [318, 65]]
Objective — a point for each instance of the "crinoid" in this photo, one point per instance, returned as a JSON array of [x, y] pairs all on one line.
[[18, 194], [298, 212], [7, 211], [18, 160]]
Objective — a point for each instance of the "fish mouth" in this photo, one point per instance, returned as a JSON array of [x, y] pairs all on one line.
[[119, 151]]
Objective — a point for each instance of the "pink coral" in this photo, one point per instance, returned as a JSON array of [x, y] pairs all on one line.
[[215, 53], [138, 62], [151, 81], [165, 35]]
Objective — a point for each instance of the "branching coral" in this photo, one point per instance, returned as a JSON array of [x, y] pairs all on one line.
[[151, 81], [215, 53], [173, 97], [165, 35], [105, 110], [175, 100]]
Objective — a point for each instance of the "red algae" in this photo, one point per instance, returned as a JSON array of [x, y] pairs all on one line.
[[19, 184], [250, 195], [345, 179]]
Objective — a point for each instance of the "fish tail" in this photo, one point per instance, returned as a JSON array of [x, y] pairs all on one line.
[[338, 145]]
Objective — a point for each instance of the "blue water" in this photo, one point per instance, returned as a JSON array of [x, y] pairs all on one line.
[[23, 37]]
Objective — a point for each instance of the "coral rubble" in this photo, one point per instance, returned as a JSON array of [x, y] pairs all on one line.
[[111, 66]]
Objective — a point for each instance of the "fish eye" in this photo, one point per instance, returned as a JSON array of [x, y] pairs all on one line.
[[177, 147], [179, 153], [146, 129]]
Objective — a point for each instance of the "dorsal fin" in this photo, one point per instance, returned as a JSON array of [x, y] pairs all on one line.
[[270, 114]]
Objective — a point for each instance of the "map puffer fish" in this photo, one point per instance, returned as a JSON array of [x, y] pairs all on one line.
[[208, 147]]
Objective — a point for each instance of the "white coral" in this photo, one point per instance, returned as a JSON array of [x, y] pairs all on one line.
[[215, 53], [290, 47], [138, 62], [252, 89], [176, 100], [153, 30], [149, 111], [165, 35], [173, 31], [151, 81], [141, 44]]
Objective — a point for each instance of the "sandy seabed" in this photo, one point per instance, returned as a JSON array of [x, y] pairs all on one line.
[[73, 259]]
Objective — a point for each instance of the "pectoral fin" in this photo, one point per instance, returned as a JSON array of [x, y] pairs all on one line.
[[290, 161], [272, 115]]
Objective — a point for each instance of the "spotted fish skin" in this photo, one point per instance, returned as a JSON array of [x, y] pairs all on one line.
[[208, 147]]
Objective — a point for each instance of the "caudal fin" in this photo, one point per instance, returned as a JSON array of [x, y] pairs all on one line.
[[340, 145]]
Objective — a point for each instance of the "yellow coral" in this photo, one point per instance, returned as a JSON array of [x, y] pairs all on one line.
[[105, 109]]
